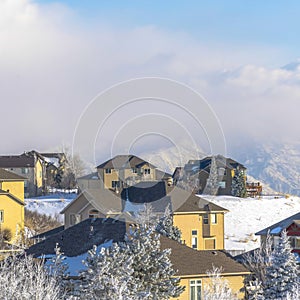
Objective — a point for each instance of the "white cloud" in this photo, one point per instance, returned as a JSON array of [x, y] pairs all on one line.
[[52, 65]]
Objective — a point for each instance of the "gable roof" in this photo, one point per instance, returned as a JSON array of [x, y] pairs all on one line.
[[106, 201], [10, 176], [80, 238], [17, 161], [195, 166], [184, 202], [277, 228], [191, 262], [124, 162]]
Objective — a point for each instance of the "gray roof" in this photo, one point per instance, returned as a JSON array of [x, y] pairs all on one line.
[[17, 161], [80, 238], [184, 201], [104, 200], [124, 162], [277, 228], [6, 175]]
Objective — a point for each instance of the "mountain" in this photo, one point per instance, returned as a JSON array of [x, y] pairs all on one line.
[[276, 164]]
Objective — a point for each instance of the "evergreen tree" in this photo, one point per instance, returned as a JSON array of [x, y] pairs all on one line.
[[212, 184], [282, 274], [153, 272], [108, 275], [239, 184], [166, 227]]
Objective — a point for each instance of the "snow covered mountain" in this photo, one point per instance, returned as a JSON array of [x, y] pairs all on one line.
[[278, 165]]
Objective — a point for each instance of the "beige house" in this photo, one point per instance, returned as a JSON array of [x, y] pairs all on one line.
[[200, 221], [121, 171], [30, 166]]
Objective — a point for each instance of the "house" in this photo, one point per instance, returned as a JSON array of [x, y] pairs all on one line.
[[29, 165], [200, 221], [191, 265], [291, 225], [254, 189], [121, 171], [11, 205], [196, 172], [54, 163]]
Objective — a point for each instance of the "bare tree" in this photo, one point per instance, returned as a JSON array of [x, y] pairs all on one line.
[[218, 287]]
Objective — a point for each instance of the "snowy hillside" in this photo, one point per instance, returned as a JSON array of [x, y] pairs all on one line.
[[50, 205], [245, 216], [277, 165], [249, 215]]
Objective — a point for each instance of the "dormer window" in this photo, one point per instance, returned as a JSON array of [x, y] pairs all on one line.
[[93, 213], [147, 171], [107, 171], [134, 170]]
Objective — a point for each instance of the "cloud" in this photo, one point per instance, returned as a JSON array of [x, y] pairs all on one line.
[[52, 63]]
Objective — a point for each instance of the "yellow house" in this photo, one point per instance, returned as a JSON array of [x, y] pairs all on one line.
[[11, 204], [123, 170], [29, 165], [192, 267], [201, 222]]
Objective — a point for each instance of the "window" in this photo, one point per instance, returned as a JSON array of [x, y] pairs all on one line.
[[276, 241], [222, 184], [1, 216], [195, 289], [115, 184], [295, 242], [194, 239], [213, 218], [75, 219], [147, 171], [222, 171], [134, 170], [93, 213], [209, 244], [108, 171], [24, 170], [205, 219]]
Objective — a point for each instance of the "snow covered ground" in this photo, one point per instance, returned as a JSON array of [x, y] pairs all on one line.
[[245, 216], [249, 215], [51, 204]]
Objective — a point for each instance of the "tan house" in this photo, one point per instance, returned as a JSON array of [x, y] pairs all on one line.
[[196, 172], [11, 205], [30, 166], [122, 171], [191, 265], [200, 221]]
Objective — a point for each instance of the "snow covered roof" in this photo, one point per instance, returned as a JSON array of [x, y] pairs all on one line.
[[276, 228]]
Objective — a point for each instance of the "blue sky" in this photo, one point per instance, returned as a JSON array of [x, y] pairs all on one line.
[[59, 55], [272, 23]]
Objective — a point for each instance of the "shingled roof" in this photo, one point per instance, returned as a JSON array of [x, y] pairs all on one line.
[[6, 175], [104, 200], [124, 162], [184, 201], [17, 161], [277, 228], [191, 262], [80, 238]]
